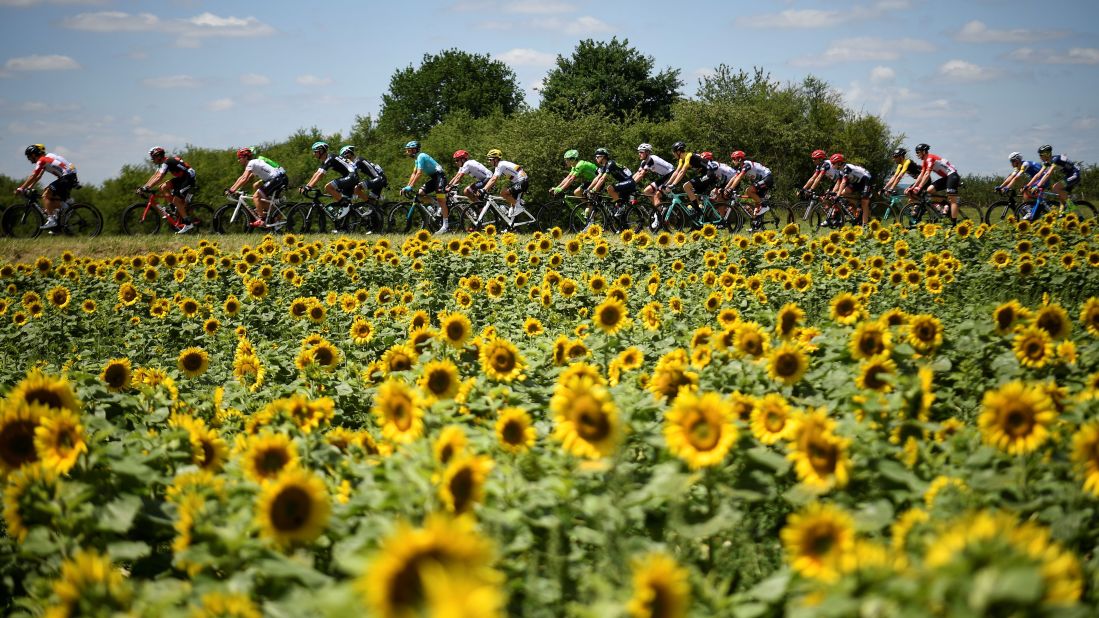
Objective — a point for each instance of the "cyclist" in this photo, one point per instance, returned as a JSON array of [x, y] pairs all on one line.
[[517, 179], [621, 185], [369, 190], [469, 167], [686, 161], [271, 179], [180, 188], [436, 180], [760, 181], [585, 171], [652, 164], [904, 166], [1019, 168], [340, 189], [823, 169], [854, 180], [58, 190], [949, 179], [1069, 169]]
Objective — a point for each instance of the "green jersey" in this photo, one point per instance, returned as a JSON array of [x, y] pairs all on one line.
[[585, 170], [268, 161]]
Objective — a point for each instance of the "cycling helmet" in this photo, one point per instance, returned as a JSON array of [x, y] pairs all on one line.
[[645, 148], [602, 151], [922, 148], [460, 154], [156, 152], [245, 152], [414, 145], [679, 146], [495, 153], [347, 150], [819, 154], [837, 159], [572, 155], [709, 156], [737, 154], [900, 152], [1046, 149], [320, 146], [1015, 156], [34, 151]]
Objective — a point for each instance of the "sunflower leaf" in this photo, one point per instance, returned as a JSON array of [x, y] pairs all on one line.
[[118, 515], [771, 589], [128, 550], [769, 458]]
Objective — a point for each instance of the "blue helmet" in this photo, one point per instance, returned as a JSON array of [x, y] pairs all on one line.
[[413, 145]]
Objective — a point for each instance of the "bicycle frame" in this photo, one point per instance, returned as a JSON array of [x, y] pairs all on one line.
[[493, 202], [171, 216], [276, 206]]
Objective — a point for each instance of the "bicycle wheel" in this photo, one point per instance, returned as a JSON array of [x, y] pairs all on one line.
[[912, 214], [367, 218], [223, 223], [23, 221], [408, 217], [83, 220], [970, 212], [202, 217], [136, 222], [996, 212], [296, 215], [635, 218]]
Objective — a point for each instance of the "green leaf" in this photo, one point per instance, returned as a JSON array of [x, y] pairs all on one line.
[[128, 550], [897, 473], [769, 458], [118, 515], [874, 516], [771, 589]]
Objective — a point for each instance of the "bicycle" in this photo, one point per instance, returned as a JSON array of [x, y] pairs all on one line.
[[1012, 206], [596, 210], [492, 210], [890, 209], [142, 218], [73, 219], [315, 215], [423, 212], [562, 212], [237, 217], [741, 212], [937, 208], [680, 215]]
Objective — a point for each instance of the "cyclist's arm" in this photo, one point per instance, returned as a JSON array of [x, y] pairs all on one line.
[[729, 188], [30, 181], [565, 183], [813, 180], [313, 180], [240, 181], [677, 177], [154, 179], [893, 181], [816, 181], [1042, 177], [490, 183], [638, 175], [454, 181], [841, 186], [1011, 179], [919, 182], [597, 184]]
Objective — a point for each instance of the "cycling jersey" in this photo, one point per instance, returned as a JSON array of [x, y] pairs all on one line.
[[475, 169], [54, 164], [176, 167], [939, 165], [616, 171], [509, 169], [831, 171], [691, 160], [338, 164], [1068, 168], [426, 164], [855, 173], [271, 163], [908, 166], [262, 169], [724, 172], [369, 169], [754, 170], [1030, 168], [655, 165], [585, 170]]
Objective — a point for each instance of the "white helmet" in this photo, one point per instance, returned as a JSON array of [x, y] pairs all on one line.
[[1015, 156], [645, 148]]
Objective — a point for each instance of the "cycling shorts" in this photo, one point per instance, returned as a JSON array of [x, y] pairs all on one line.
[[374, 186], [765, 184], [703, 183], [625, 188], [950, 182], [863, 187], [63, 186], [659, 182], [1072, 181], [519, 186], [346, 185], [183, 186], [478, 185], [274, 184], [436, 184]]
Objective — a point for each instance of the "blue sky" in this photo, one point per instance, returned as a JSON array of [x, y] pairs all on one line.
[[101, 81]]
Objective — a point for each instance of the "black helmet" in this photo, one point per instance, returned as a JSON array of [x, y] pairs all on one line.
[[922, 148], [900, 152], [1045, 149], [602, 151], [34, 151], [679, 146]]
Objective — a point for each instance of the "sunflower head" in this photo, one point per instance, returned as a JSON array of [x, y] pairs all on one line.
[[399, 409], [439, 380], [1054, 320], [610, 316], [661, 588], [1016, 418], [463, 483], [846, 308], [293, 508], [53, 392], [455, 329], [699, 429], [820, 542], [515, 430], [193, 362], [501, 360], [787, 363], [586, 417]]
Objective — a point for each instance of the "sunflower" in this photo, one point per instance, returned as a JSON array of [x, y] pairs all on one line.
[[586, 417], [1054, 320], [55, 393], [267, 454], [90, 585], [1089, 316], [116, 374], [451, 442], [316, 312], [820, 542], [128, 294], [819, 456], [18, 424], [439, 380], [463, 483], [610, 315], [59, 297], [771, 419], [660, 588], [699, 429], [362, 331], [671, 375], [400, 357], [193, 362], [533, 327], [209, 450], [231, 306], [189, 307], [293, 508], [515, 430], [751, 339], [59, 440], [455, 328], [846, 308], [1033, 347], [441, 569], [29, 499], [925, 333], [870, 338], [1085, 454], [1016, 418], [225, 605], [787, 320], [501, 360], [787, 363], [873, 371], [1006, 315], [399, 410]]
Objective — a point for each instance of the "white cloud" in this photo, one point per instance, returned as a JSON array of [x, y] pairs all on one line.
[[862, 49], [794, 18], [51, 62], [935, 108], [112, 21], [521, 56], [881, 74], [580, 26], [190, 31], [1076, 55], [960, 70], [254, 79], [38, 107], [313, 80], [977, 32], [1086, 123], [220, 105], [171, 81]]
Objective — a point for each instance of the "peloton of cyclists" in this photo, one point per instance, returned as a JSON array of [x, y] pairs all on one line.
[[58, 190]]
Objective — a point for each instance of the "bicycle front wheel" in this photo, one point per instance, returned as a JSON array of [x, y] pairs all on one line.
[[635, 218], [296, 215], [202, 217], [83, 220], [970, 212], [223, 223], [137, 222], [997, 211], [23, 221], [407, 217]]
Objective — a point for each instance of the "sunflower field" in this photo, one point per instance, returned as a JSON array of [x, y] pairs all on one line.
[[873, 422]]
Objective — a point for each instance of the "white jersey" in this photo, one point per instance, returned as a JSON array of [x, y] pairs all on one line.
[[475, 169], [656, 165], [262, 170], [509, 169], [725, 173], [754, 170], [854, 173], [54, 164]]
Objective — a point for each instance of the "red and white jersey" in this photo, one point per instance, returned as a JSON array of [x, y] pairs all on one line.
[[54, 164], [939, 165]]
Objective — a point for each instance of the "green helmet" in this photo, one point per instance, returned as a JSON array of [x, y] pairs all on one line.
[[572, 155], [346, 150], [318, 146]]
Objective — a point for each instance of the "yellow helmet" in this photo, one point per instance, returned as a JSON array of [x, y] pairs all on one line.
[[494, 154]]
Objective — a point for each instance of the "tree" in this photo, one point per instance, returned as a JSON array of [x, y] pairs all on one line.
[[611, 78], [452, 80]]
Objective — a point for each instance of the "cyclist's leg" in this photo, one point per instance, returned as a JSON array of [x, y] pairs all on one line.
[[51, 201], [333, 191]]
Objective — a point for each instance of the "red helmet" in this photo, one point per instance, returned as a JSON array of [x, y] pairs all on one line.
[[709, 156], [244, 152], [837, 159], [819, 154], [461, 154], [737, 154]]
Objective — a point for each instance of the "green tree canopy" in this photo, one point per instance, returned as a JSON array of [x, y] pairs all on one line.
[[612, 78], [452, 80]]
